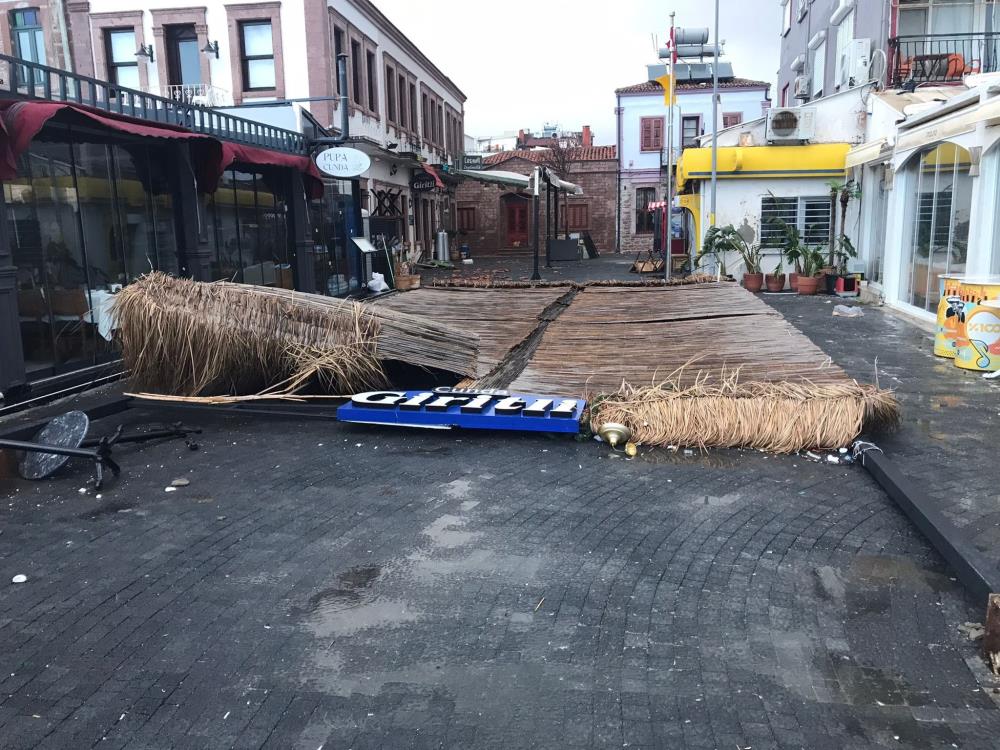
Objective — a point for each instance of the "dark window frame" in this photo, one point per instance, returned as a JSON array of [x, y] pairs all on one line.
[[109, 54], [643, 217], [691, 142], [246, 59], [371, 80], [18, 14]]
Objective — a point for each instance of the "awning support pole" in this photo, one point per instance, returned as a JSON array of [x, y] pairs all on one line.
[[548, 223], [535, 276]]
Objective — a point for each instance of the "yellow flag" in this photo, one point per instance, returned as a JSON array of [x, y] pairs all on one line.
[[668, 93]]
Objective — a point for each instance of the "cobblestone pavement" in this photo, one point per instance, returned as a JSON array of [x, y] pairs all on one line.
[[336, 586], [951, 417]]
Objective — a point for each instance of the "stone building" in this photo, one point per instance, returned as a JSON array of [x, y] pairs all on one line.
[[491, 217]]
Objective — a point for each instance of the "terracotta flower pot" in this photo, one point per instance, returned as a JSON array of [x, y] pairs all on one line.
[[793, 281], [808, 285], [753, 282], [775, 282]]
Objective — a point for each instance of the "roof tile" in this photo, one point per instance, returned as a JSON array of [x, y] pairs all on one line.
[[650, 87], [580, 153]]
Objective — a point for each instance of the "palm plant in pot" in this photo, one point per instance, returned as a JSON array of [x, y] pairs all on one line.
[[809, 277], [791, 249], [775, 281], [727, 239]]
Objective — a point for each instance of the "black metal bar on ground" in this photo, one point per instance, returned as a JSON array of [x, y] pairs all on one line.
[[974, 571], [296, 411], [27, 430]]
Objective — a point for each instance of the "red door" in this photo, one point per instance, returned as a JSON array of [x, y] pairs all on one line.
[[517, 223]]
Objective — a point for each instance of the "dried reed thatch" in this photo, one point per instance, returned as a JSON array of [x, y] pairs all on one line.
[[783, 417], [479, 282], [186, 337]]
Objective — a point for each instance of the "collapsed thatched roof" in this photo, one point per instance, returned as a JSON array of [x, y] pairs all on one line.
[[186, 337]]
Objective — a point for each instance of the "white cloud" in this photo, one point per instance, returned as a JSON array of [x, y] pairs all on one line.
[[524, 64]]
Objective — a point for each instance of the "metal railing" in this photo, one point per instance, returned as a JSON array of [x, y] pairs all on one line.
[[942, 58], [204, 94], [30, 80]]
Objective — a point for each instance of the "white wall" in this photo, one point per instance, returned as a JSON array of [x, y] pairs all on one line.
[[840, 118]]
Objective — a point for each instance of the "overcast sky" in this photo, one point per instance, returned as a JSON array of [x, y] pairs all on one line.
[[526, 63]]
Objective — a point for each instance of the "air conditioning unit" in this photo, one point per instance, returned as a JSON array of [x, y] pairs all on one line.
[[791, 124], [801, 87], [855, 60]]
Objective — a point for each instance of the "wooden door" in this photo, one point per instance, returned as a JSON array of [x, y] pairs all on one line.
[[517, 223]]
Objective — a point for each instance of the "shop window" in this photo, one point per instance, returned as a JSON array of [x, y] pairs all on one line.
[[875, 247], [690, 130], [26, 29], [257, 55], [643, 216], [731, 119], [84, 219], [651, 133], [810, 215], [938, 211], [466, 218], [577, 216], [123, 68], [251, 239]]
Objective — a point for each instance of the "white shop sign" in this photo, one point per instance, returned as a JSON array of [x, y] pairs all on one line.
[[343, 162]]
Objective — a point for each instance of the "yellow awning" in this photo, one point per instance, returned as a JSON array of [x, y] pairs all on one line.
[[775, 162], [868, 152]]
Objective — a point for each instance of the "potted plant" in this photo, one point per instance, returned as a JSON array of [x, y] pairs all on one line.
[[775, 280], [721, 240], [837, 276], [791, 249], [812, 262]]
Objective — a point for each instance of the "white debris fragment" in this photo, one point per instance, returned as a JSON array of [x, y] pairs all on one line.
[[170, 489], [19, 578]]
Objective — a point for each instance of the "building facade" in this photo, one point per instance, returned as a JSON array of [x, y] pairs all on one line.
[[832, 45], [164, 138], [643, 137], [493, 217]]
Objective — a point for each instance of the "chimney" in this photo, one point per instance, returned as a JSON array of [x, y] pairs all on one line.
[[587, 139]]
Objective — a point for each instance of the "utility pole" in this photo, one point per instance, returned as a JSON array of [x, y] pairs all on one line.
[[715, 116], [669, 218]]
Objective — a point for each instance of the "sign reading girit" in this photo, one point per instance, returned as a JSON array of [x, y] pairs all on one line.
[[473, 409]]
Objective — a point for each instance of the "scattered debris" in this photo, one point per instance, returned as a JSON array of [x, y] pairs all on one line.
[[537, 606], [170, 489], [848, 311], [19, 578], [180, 482], [972, 630]]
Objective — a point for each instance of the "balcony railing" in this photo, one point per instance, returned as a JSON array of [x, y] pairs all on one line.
[[203, 94], [24, 79], [942, 58]]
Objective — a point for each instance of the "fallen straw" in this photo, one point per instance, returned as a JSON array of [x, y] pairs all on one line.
[[782, 417]]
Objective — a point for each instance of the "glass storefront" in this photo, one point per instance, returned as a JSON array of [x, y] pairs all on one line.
[[335, 259], [85, 217], [246, 221], [938, 218]]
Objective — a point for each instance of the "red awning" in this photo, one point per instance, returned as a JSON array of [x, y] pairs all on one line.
[[433, 173], [238, 152], [21, 121]]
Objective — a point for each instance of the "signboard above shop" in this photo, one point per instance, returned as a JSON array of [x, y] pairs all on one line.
[[343, 162], [472, 161], [422, 182], [443, 408]]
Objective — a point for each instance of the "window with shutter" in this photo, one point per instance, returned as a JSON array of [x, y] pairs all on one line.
[[651, 133]]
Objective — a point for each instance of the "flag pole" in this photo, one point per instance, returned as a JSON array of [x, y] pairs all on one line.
[[669, 218]]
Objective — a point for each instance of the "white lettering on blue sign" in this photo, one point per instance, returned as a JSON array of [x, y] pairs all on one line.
[[469, 408]]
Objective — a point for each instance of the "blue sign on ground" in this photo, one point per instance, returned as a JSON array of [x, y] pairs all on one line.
[[443, 408]]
